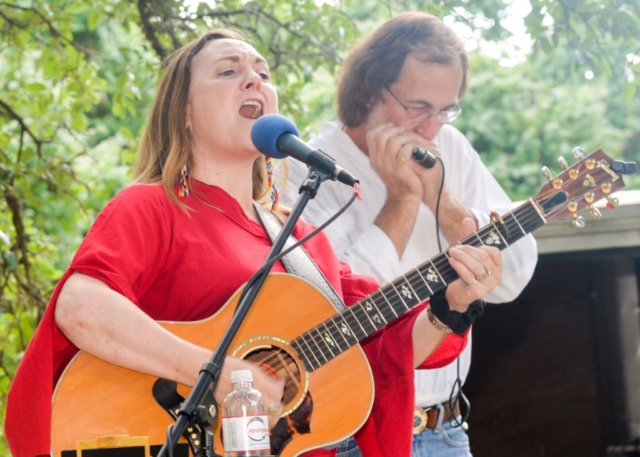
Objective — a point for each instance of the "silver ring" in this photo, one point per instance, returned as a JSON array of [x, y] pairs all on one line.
[[473, 281]]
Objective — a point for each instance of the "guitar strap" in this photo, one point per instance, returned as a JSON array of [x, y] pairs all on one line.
[[298, 262]]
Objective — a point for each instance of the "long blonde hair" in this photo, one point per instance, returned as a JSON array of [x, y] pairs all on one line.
[[166, 143]]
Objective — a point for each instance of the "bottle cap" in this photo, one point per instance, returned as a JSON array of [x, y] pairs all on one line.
[[241, 376]]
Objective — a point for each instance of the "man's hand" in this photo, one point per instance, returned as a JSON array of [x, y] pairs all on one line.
[[390, 150], [480, 271]]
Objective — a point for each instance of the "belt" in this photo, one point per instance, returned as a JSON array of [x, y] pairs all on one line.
[[424, 418]]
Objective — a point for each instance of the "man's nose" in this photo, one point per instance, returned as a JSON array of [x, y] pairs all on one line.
[[428, 128]]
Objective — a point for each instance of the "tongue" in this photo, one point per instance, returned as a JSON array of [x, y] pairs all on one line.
[[250, 111]]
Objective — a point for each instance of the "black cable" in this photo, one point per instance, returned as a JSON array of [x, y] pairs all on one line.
[[438, 205], [270, 263], [267, 266], [456, 390]]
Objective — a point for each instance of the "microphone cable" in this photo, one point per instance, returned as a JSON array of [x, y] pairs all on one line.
[[299, 243], [266, 268], [456, 395]]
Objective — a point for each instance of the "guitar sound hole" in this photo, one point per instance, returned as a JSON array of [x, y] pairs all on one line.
[[279, 364]]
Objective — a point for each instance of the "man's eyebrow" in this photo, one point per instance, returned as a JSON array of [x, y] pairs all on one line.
[[421, 102], [429, 105]]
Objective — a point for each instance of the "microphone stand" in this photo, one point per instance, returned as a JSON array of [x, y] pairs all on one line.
[[193, 409]]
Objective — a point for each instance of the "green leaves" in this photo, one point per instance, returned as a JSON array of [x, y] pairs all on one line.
[[523, 117], [54, 85], [77, 78]]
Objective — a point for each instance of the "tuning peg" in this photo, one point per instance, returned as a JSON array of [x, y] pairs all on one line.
[[606, 187], [578, 153], [612, 202], [578, 221], [557, 182], [595, 212], [573, 172], [589, 197]]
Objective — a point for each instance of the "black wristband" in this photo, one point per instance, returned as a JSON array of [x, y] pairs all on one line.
[[456, 321]]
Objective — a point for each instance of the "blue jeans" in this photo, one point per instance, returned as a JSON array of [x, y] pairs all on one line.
[[443, 441]]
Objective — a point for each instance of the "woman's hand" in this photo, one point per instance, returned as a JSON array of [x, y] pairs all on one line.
[[271, 389]]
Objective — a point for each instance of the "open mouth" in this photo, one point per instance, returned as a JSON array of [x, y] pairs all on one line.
[[251, 109]]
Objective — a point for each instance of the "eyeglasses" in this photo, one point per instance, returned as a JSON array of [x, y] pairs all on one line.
[[424, 113]]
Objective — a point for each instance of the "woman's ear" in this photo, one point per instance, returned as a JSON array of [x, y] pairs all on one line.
[[187, 117]]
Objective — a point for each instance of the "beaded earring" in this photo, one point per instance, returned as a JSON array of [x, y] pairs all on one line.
[[275, 197], [183, 191]]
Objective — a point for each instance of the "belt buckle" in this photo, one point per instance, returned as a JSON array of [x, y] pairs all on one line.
[[420, 420]]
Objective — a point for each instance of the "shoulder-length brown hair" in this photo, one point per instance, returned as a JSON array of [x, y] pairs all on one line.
[[378, 59], [166, 143]]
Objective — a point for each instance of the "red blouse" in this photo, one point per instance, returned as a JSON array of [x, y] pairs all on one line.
[[184, 268]]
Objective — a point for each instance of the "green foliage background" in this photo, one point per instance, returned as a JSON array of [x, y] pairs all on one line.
[[77, 78]]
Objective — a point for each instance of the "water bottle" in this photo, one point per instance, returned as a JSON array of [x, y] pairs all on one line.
[[245, 425]]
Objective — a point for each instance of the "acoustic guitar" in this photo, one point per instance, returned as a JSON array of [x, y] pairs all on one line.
[[100, 408]]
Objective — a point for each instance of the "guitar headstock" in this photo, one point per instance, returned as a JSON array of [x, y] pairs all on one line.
[[578, 187]]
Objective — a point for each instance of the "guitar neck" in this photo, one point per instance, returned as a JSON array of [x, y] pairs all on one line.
[[347, 328]]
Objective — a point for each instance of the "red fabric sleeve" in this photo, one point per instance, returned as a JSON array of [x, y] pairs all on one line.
[[122, 249], [387, 432], [49, 351], [29, 398]]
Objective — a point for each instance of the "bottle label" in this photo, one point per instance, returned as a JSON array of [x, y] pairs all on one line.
[[245, 433]]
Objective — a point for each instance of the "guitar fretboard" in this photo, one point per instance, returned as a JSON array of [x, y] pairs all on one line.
[[343, 330]]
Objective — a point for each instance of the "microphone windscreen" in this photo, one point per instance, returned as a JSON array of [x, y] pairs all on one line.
[[265, 133]]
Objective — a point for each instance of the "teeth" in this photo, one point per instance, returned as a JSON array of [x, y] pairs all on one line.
[[251, 109], [251, 102]]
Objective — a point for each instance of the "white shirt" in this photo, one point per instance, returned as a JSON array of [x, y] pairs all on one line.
[[368, 250]]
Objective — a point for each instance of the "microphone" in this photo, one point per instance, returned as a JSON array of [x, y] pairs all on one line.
[[276, 136], [424, 158]]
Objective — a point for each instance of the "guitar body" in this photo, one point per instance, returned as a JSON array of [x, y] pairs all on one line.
[[97, 404]]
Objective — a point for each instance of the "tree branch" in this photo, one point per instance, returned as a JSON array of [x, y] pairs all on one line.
[[22, 239], [23, 125], [21, 244], [149, 31], [52, 29]]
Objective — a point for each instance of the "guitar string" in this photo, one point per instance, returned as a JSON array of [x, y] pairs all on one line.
[[523, 215], [282, 369], [412, 276], [512, 222]]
